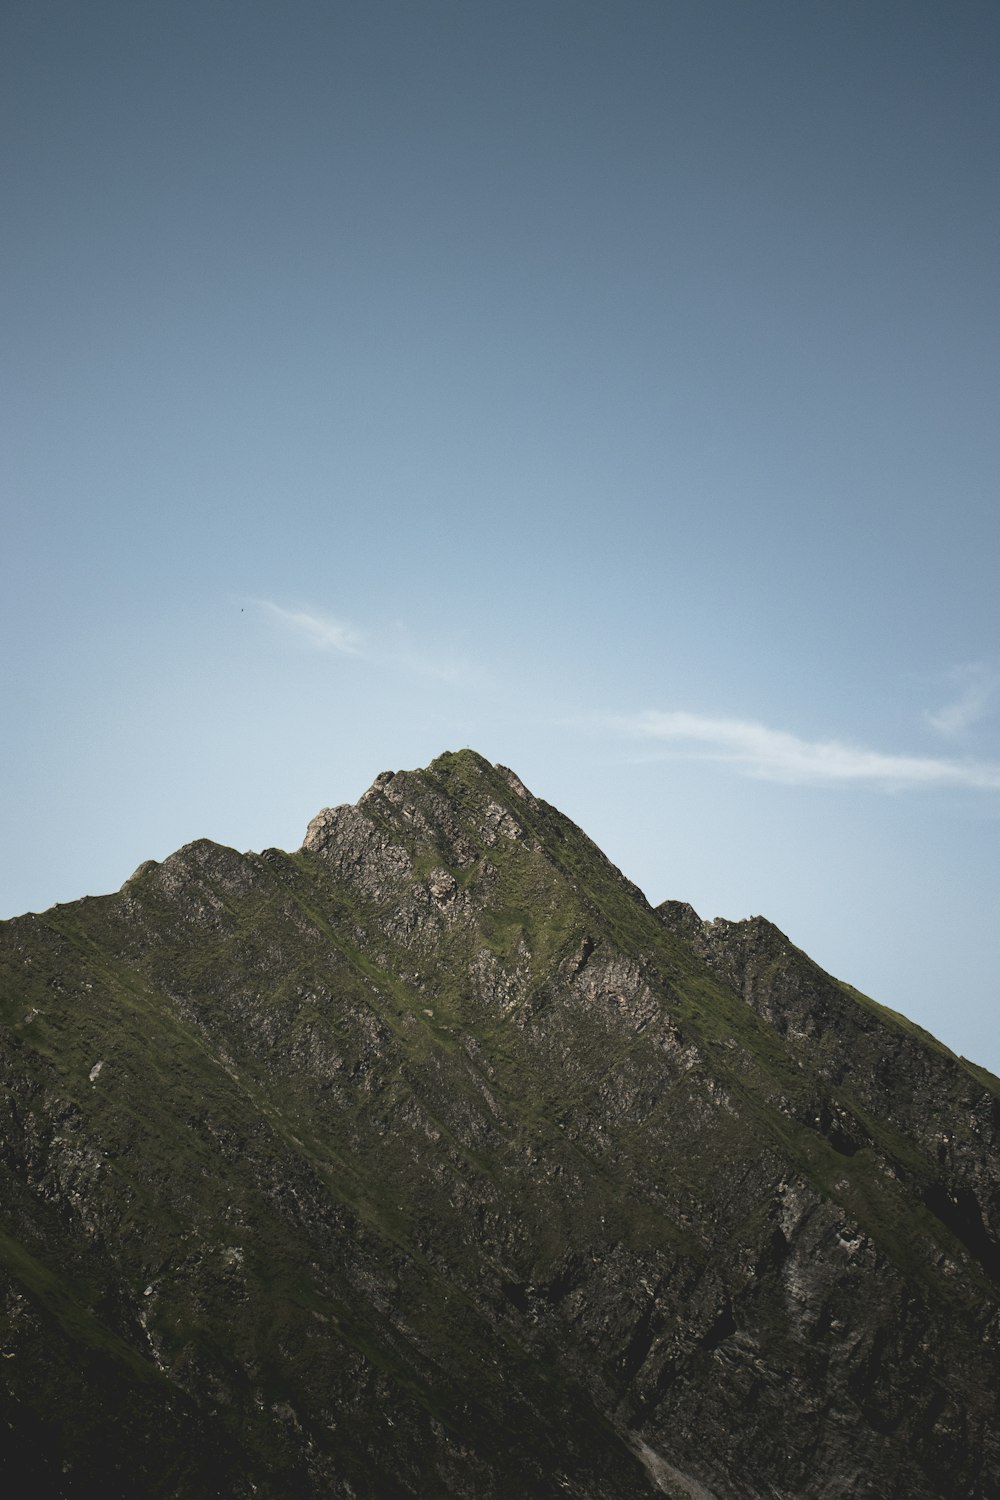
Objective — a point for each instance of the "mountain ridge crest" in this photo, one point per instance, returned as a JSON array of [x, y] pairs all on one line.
[[350, 1162]]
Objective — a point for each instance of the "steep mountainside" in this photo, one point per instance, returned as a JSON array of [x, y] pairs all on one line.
[[430, 1161]]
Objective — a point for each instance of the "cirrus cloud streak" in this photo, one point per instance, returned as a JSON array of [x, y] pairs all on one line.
[[318, 630], [777, 755], [977, 684], [390, 647]]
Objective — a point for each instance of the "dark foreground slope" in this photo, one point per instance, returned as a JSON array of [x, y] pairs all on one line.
[[430, 1161]]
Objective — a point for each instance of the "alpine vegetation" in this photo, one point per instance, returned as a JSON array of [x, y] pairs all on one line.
[[432, 1161]]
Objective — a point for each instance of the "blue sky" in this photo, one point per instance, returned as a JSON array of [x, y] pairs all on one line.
[[610, 388]]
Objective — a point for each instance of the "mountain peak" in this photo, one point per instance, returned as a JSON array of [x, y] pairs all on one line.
[[348, 1163], [453, 809]]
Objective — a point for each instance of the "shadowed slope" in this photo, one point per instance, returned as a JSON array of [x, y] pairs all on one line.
[[430, 1160]]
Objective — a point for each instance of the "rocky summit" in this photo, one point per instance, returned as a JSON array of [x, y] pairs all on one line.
[[431, 1161]]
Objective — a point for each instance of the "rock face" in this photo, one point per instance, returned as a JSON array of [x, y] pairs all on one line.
[[430, 1161]]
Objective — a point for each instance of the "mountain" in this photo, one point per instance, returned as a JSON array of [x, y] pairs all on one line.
[[430, 1161]]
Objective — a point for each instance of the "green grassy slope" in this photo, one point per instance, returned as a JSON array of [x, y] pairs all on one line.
[[430, 1160]]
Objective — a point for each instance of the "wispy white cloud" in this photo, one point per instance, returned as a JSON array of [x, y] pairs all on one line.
[[318, 630], [393, 647], [976, 685], [777, 755]]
